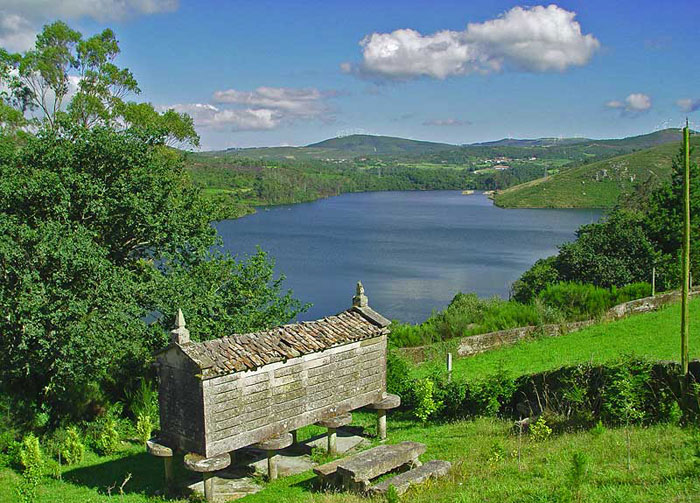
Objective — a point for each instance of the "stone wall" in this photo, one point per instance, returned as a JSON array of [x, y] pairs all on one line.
[[467, 346], [180, 401], [243, 408]]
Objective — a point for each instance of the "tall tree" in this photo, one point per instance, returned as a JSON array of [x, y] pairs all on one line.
[[68, 79]]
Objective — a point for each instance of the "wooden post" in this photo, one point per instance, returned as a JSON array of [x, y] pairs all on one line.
[[449, 367], [653, 281], [686, 249]]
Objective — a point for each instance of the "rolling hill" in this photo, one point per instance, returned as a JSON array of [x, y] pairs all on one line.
[[347, 147], [598, 184]]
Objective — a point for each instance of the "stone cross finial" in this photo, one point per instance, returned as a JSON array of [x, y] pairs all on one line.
[[179, 334], [360, 299]]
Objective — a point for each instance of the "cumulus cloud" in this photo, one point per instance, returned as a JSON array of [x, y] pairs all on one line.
[[537, 39], [446, 122], [688, 105], [261, 109], [20, 20], [306, 102], [633, 104]]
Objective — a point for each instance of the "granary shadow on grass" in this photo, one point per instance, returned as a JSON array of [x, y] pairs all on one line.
[[147, 475]]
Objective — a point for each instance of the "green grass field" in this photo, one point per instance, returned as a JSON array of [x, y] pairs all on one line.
[[485, 469], [483, 451], [653, 335]]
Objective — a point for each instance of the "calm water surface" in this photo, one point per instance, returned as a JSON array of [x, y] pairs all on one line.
[[412, 250]]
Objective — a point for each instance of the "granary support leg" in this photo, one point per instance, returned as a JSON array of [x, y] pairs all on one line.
[[155, 448], [208, 478], [272, 465], [387, 403], [381, 424], [271, 446], [207, 467], [333, 423], [168, 466], [332, 437], [294, 437]]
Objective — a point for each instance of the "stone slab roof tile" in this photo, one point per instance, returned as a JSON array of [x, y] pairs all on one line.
[[250, 351]]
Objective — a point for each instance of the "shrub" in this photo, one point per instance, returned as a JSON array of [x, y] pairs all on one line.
[[31, 457], [108, 438], [577, 475], [542, 274], [426, 405], [631, 292], [144, 427], [398, 377], [73, 449], [540, 431], [577, 301]]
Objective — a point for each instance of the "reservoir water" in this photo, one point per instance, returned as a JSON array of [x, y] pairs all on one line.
[[412, 250]]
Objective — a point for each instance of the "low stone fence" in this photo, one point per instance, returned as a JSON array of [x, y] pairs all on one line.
[[468, 346]]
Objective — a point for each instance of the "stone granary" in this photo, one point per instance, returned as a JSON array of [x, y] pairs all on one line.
[[221, 395]]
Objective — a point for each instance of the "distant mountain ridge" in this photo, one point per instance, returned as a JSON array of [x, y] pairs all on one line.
[[354, 146]]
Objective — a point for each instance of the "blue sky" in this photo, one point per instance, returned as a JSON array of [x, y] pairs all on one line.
[[276, 73]]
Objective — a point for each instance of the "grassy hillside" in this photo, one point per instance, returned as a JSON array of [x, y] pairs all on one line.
[[652, 335], [595, 185]]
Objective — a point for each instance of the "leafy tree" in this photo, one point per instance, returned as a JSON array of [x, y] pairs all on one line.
[[68, 79], [614, 252], [542, 274], [664, 218], [101, 230]]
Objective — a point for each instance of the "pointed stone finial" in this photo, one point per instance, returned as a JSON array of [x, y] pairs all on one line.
[[360, 299], [179, 334]]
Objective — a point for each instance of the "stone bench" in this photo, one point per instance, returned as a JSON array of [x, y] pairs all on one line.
[[403, 481], [357, 472]]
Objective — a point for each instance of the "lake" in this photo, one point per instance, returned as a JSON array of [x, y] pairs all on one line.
[[412, 250]]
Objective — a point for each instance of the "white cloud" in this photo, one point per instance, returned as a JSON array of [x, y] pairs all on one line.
[[633, 104], [446, 122], [688, 105], [306, 102], [262, 109], [209, 116], [101, 10], [21, 20], [537, 39]]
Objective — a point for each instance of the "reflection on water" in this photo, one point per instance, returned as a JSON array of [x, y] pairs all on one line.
[[412, 250]]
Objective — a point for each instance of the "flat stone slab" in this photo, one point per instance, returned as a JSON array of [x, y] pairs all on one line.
[[403, 481], [155, 448], [229, 484], [276, 443], [379, 460], [336, 421], [288, 463], [197, 463], [386, 403], [344, 442]]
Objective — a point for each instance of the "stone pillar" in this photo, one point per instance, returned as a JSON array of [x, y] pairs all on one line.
[[207, 467], [387, 403], [332, 437], [271, 446], [333, 423], [381, 424], [155, 448], [294, 437], [272, 465]]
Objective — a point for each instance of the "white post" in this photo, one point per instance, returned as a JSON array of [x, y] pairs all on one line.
[[449, 367], [653, 281]]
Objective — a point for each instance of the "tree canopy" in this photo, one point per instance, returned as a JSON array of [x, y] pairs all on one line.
[[103, 236]]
